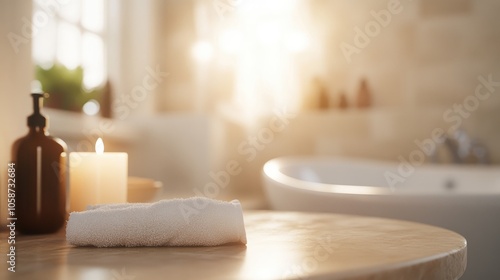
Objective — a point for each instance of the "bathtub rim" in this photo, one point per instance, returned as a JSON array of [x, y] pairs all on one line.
[[271, 171]]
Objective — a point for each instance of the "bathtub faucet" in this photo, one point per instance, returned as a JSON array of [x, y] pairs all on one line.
[[460, 149]]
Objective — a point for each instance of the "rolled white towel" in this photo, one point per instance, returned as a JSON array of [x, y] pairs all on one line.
[[193, 221]]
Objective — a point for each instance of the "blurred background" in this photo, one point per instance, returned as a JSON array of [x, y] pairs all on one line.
[[187, 86]]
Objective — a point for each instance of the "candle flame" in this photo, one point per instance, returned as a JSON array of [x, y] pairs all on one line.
[[99, 146]]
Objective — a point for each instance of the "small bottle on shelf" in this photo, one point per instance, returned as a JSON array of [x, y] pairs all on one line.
[[343, 104], [363, 99]]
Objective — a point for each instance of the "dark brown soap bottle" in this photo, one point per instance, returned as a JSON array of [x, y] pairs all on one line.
[[40, 162]]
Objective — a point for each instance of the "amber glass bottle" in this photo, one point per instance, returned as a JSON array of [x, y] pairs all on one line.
[[40, 162]]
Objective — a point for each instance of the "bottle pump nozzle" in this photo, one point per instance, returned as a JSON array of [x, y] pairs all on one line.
[[37, 119]]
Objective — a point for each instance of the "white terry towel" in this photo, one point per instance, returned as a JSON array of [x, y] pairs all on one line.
[[193, 221]]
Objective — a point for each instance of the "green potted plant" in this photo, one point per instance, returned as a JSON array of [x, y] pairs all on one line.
[[65, 87]]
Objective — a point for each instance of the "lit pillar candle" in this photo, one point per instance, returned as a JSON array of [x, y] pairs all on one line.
[[97, 178]]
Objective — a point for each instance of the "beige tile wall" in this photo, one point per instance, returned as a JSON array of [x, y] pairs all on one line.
[[428, 56]]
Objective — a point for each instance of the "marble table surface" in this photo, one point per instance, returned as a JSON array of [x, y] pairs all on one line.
[[281, 245]]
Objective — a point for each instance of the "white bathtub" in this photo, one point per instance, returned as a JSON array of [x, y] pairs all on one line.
[[465, 199]]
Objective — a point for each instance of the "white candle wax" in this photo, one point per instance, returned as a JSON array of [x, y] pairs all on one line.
[[97, 178]]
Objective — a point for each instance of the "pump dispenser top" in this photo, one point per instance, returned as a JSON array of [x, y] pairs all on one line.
[[37, 119]]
